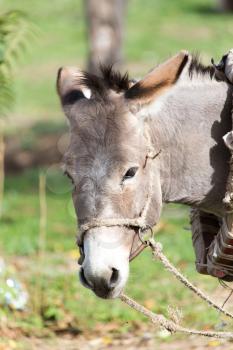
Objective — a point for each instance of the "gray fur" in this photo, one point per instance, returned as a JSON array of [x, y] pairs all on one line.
[[109, 134], [189, 130]]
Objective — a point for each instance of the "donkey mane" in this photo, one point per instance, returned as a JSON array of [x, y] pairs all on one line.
[[107, 79], [197, 68], [112, 79]]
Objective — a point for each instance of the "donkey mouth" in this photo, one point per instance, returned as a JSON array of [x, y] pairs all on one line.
[[102, 293], [100, 288]]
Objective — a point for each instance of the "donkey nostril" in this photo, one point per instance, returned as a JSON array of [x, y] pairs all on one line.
[[114, 276]]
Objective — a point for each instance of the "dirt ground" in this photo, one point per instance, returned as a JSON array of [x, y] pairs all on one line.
[[143, 337], [128, 342]]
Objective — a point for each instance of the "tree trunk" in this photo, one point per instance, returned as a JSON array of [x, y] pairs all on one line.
[[226, 5], [105, 32]]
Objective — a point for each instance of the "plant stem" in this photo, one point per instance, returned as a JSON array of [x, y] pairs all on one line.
[[41, 239], [43, 214], [2, 173]]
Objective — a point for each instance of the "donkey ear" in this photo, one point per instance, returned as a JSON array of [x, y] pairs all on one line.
[[158, 80], [70, 87]]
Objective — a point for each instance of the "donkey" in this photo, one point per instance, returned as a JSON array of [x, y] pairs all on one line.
[[181, 112]]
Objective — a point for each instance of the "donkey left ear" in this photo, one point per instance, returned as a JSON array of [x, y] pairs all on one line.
[[70, 86], [158, 80]]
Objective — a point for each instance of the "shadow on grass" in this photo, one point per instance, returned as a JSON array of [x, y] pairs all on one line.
[[206, 10]]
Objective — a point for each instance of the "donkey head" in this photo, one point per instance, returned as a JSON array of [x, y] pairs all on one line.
[[107, 161]]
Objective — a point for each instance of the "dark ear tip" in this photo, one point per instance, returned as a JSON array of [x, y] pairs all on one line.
[[58, 78], [59, 71], [184, 53]]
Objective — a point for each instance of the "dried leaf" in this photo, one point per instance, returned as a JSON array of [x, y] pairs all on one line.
[[74, 254], [107, 340], [214, 343], [159, 227], [149, 303]]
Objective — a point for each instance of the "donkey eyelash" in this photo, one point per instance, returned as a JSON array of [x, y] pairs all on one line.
[[69, 176]]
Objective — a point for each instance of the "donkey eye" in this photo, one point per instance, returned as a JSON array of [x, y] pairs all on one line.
[[130, 173]]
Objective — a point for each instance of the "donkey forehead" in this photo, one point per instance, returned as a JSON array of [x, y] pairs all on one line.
[[92, 153], [103, 116], [105, 130], [109, 146]]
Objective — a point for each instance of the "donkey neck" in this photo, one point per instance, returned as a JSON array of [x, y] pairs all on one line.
[[188, 128]]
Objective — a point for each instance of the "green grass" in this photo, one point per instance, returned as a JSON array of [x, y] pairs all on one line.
[[57, 298], [154, 30]]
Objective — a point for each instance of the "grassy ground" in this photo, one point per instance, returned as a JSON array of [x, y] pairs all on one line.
[[154, 30], [56, 297]]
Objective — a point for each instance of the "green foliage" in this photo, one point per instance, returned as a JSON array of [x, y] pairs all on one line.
[[15, 33]]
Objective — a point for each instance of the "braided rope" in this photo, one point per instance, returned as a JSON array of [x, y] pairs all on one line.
[[169, 325], [157, 252], [161, 320]]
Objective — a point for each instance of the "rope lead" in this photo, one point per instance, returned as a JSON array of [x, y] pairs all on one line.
[[169, 325], [161, 320]]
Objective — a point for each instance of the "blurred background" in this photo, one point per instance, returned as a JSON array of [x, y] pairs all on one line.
[[42, 304]]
